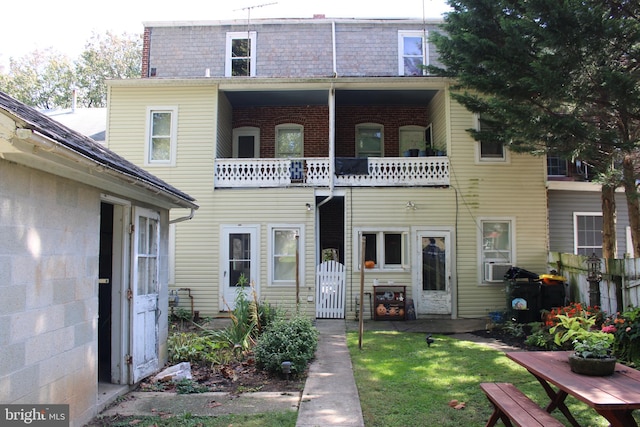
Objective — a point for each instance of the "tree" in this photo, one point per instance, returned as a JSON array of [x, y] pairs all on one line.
[[107, 57], [46, 78], [42, 79], [553, 77]]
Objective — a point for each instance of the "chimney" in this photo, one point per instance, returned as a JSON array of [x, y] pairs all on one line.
[[319, 16]]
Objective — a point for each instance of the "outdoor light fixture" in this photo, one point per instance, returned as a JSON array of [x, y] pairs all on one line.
[[594, 277], [410, 205], [308, 205]]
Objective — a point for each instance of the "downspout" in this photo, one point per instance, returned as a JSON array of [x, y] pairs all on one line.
[[332, 145], [332, 121], [184, 218]]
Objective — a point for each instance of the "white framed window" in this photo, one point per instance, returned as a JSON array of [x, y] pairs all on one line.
[[497, 247], [587, 233], [413, 53], [413, 138], [289, 140], [388, 248], [488, 151], [246, 143], [284, 241], [161, 136], [240, 54], [369, 140]]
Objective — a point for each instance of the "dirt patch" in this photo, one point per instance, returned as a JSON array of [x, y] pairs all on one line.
[[236, 377], [507, 338]]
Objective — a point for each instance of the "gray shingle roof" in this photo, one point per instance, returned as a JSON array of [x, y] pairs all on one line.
[[83, 145]]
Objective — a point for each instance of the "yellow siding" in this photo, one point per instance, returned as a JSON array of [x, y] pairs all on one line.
[[513, 190]]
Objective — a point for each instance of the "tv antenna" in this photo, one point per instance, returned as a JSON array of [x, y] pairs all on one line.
[[248, 8]]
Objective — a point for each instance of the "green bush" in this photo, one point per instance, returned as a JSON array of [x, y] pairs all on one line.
[[192, 347], [292, 340]]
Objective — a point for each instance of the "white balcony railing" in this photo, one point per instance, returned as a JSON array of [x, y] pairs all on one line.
[[374, 171]]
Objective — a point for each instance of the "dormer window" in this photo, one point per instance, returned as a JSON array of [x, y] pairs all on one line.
[[241, 54]]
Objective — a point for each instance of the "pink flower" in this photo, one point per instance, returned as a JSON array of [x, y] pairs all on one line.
[[610, 329], [628, 328]]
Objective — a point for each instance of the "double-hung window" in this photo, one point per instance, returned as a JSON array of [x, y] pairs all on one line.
[[387, 248], [489, 150], [412, 53], [284, 244], [160, 141], [240, 54], [587, 228], [497, 248], [369, 140], [289, 141]]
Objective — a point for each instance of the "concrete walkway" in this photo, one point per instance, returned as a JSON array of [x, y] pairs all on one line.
[[330, 396]]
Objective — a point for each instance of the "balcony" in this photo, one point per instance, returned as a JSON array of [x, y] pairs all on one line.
[[316, 172]]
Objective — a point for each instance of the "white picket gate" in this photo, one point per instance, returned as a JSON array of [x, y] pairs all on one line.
[[330, 290]]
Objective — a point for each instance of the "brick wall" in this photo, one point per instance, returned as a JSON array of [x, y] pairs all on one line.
[[315, 120]]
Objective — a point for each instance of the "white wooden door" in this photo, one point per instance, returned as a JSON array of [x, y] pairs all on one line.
[[239, 263], [434, 290], [144, 291]]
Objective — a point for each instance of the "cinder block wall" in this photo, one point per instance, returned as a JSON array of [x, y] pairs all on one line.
[[49, 234]]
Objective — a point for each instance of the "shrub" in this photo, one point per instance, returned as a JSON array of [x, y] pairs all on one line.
[[292, 340], [626, 329]]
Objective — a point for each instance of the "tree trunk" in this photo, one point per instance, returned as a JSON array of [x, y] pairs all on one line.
[[608, 221], [633, 206]]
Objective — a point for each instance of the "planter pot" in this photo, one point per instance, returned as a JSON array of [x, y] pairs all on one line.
[[592, 367]]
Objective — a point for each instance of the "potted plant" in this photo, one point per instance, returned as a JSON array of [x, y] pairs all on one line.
[[591, 348]]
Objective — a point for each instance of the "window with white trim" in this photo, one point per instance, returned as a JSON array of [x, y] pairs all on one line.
[[246, 143], [497, 246], [387, 248], [587, 233], [240, 54], [160, 140], [489, 151], [369, 140], [412, 53], [289, 140], [284, 242]]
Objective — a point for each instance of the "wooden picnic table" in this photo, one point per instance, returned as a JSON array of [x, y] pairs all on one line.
[[614, 397]]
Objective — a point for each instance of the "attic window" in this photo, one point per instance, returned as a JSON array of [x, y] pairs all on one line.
[[240, 54]]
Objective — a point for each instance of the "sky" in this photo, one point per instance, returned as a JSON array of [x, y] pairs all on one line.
[[66, 25]]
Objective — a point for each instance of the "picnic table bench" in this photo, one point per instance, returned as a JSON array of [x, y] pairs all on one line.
[[511, 405]]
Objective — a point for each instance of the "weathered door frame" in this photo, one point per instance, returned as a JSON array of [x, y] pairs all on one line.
[[448, 234]]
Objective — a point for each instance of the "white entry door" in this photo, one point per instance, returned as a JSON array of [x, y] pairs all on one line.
[[239, 263], [434, 292], [144, 293]]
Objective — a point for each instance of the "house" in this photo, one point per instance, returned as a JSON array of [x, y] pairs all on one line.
[[301, 137], [575, 211], [84, 266]]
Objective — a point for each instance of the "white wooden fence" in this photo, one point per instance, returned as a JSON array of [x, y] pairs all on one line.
[[330, 290], [620, 285]]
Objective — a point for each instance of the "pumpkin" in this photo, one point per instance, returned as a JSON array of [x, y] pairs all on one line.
[[369, 264], [381, 310]]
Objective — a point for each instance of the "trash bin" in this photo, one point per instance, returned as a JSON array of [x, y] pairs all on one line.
[[523, 295], [553, 289]]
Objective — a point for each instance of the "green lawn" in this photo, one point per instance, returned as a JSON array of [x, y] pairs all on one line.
[[402, 382]]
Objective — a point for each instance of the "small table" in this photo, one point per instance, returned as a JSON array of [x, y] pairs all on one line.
[[614, 397]]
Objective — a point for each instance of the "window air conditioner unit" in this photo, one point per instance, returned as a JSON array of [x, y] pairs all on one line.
[[494, 272]]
